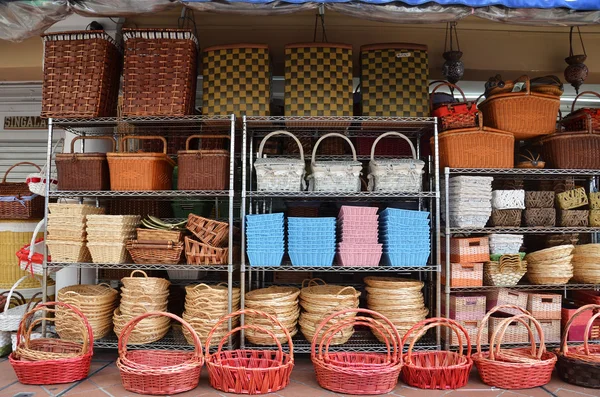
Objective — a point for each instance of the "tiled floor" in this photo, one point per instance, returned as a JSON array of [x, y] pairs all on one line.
[[104, 381]]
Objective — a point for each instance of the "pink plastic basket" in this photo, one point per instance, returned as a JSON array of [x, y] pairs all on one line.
[[352, 210], [370, 238], [352, 219], [354, 259]]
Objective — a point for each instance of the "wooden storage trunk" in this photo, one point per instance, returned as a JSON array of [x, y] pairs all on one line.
[[236, 79], [394, 80]]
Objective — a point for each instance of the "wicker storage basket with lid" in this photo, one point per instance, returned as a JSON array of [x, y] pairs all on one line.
[[17, 201], [140, 171], [578, 120], [159, 72], [525, 114], [236, 78], [393, 78], [81, 74], [203, 169], [282, 173], [318, 81], [84, 171], [335, 176]]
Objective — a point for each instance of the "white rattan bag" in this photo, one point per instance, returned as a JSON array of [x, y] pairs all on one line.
[[395, 175], [280, 174], [334, 176]]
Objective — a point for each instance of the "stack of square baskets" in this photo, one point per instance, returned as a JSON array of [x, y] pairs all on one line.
[[210, 248]]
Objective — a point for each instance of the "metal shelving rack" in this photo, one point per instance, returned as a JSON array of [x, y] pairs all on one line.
[[262, 202], [525, 174], [164, 126]]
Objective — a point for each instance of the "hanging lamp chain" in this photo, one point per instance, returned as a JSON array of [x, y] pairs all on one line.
[[571, 41], [320, 17]]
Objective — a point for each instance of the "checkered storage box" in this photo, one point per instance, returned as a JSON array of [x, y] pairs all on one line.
[[394, 80], [318, 79], [236, 79]]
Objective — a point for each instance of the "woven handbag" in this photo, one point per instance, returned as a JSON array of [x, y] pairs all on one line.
[[454, 115], [584, 118]]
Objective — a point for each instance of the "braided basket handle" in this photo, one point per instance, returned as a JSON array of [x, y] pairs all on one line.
[[583, 93], [128, 329], [330, 135], [310, 282], [280, 132], [564, 348], [399, 135], [123, 142], [485, 320], [347, 288], [18, 164], [423, 326], [187, 141], [109, 138], [499, 332], [138, 271]]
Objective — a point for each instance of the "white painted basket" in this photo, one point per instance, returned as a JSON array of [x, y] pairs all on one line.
[[280, 174], [395, 175], [335, 176], [508, 199]]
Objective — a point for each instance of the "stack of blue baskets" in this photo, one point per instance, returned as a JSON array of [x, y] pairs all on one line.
[[311, 241], [405, 236], [265, 239]]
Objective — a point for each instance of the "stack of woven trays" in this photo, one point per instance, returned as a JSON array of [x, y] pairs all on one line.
[[405, 236], [506, 266], [398, 299], [204, 307], [539, 209], [159, 247], [96, 302], [311, 241], [265, 239], [586, 263], [507, 207], [210, 245], [280, 302], [470, 199], [67, 238], [359, 236], [138, 296], [551, 265], [319, 301], [108, 236]]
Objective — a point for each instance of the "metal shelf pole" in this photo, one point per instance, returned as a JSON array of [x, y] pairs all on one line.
[[243, 226]]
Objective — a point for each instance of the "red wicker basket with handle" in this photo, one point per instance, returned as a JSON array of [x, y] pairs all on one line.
[[534, 365], [454, 115], [48, 361], [17, 201], [159, 372], [578, 120], [83, 171], [203, 169], [249, 371], [438, 370], [356, 372]]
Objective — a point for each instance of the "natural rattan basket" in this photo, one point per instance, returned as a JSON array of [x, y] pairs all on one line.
[[203, 169]]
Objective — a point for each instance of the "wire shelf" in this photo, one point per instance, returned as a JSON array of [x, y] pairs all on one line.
[[528, 287], [133, 266], [527, 230], [186, 195], [356, 195], [343, 269], [527, 173]]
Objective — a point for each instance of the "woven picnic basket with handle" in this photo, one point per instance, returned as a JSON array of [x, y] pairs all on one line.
[[438, 370], [580, 365], [498, 367], [17, 201], [159, 372], [11, 317], [579, 120], [573, 149], [47, 361], [281, 173], [159, 72], [84, 171], [81, 74], [455, 115], [140, 171], [350, 372], [334, 176], [249, 371], [203, 169]]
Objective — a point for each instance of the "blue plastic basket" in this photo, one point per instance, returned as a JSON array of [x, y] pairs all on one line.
[[317, 259], [314, 229], [403, 259], [311, 221], [265, 258], [400, 213], [255, 217], [404, 223]]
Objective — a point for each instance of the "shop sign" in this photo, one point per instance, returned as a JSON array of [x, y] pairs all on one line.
[[25, 123]]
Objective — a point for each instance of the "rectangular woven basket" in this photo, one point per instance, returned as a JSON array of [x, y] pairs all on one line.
[[544, 306], [504, 296], [464, 275], [467, 307], [203, 169], [236, 79], [83, 171], [394, 80], [540, 217], [81, 74], [515, 333], [159, 72]]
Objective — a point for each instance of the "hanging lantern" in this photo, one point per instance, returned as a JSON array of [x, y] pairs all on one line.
[[576, 72], [453, 69]]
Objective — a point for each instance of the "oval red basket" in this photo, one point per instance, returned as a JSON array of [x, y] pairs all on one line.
[[498, 367], [31, 361], [356, 372], [438, 370], [249, 371], [159, 371]]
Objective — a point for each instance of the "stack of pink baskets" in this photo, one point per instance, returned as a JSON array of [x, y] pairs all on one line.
[[359, 236]]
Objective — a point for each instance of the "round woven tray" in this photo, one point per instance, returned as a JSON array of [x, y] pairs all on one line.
[[392, 282], [550, 253]]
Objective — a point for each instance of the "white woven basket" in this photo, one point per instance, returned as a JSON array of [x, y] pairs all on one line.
[[395, 175], [334, 176], [280, 174], [11, 318], [508, 199]]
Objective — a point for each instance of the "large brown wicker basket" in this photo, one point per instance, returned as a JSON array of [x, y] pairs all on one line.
[[203, 169], [83, 171], [140, 171], [17, 201], [579, 149], [160, 72], [81, 74]]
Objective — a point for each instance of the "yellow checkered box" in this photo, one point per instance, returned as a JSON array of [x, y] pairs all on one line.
[[318, 79], [236, 79], [394, 80]]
